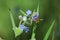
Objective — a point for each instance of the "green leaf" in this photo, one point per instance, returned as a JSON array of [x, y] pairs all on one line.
[[49, 31], [12, 21], [53, 35], [23, 12], [38, 7]]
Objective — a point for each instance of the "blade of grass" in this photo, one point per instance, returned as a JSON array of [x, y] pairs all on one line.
[[13, 23], [33, 36], [53, 35], [38, 7], [49, 31]]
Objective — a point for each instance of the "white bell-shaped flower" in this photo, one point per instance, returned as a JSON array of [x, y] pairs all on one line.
[[24, 18]]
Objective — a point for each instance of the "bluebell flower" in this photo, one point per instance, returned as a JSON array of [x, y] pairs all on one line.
[[36, 15], [28, 12], [26, 29], [22, 27]]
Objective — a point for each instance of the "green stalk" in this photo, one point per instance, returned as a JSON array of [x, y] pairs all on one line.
[[33, 34], [15, 29], [13, 23]]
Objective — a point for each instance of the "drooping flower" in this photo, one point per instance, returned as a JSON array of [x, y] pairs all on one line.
[[26, 29], [28, 12], [36, 15], [22, 27], [24, 18]]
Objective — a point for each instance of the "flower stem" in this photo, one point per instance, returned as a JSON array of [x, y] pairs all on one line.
[[33, 34]]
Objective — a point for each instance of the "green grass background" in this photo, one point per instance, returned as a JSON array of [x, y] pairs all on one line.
[[49, 10]]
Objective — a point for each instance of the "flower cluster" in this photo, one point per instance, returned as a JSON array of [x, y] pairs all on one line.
[[22, 27], [30, 16]]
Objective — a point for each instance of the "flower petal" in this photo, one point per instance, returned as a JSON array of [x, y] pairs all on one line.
[[28, 12], [24, 18], [36, 15], [22, 27]]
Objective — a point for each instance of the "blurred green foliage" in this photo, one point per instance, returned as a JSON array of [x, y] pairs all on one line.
[[49, 11]]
